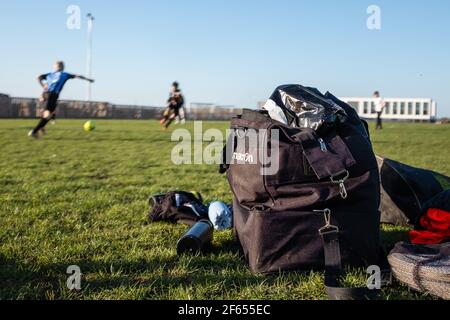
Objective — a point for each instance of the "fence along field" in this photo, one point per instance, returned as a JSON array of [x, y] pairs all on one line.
[[29, 108]]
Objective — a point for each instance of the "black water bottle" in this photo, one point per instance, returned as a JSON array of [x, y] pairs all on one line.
[[197, 238]]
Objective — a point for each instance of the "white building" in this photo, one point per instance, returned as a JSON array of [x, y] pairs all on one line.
[[396, 108]]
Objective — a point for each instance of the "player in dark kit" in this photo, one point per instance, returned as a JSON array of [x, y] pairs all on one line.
[[173, 110], [53, 83], [175, 103]]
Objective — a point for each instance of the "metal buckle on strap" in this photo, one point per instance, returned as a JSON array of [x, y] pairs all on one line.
[[341, 182], [328, 227]]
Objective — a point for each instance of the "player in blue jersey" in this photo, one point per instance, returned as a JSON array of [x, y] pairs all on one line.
[[53, 83]]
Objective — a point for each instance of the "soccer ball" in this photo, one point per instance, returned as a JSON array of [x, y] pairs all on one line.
[[89, 126]]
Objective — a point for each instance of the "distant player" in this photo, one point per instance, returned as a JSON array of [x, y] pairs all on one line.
[[174, 108], [379, 107], [182, 112], [53, 83]]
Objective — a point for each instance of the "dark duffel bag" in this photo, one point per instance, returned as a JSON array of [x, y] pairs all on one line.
[[320, 209], [405, 190]]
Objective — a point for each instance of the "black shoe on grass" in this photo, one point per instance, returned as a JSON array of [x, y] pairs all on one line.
[[33, 134]]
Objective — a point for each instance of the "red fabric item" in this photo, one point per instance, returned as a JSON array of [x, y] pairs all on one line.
[[436, 224]]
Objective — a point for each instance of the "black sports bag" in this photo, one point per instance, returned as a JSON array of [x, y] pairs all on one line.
[[320, 209]]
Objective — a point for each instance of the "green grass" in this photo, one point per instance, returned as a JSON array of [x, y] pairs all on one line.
[[81, 199]]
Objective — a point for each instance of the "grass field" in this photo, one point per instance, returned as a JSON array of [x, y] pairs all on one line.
[[74, 198]]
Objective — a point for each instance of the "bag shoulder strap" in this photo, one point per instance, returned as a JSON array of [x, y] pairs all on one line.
[[333, 267], [333, 271]]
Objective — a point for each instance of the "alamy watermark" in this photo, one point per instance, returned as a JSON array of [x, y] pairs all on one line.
[[374, 19], [374, 280], [74, 280], [73, 21], [377, 279], [243, 146]]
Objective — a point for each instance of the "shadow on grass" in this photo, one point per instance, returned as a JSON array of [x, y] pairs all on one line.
[[220, 270], [390, 235], [160, 276], [226, 246]]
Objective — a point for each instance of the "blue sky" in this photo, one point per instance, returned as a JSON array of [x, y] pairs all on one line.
[[231, 52]]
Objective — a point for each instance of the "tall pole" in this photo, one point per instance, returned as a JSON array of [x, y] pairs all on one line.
[[89, 55]]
